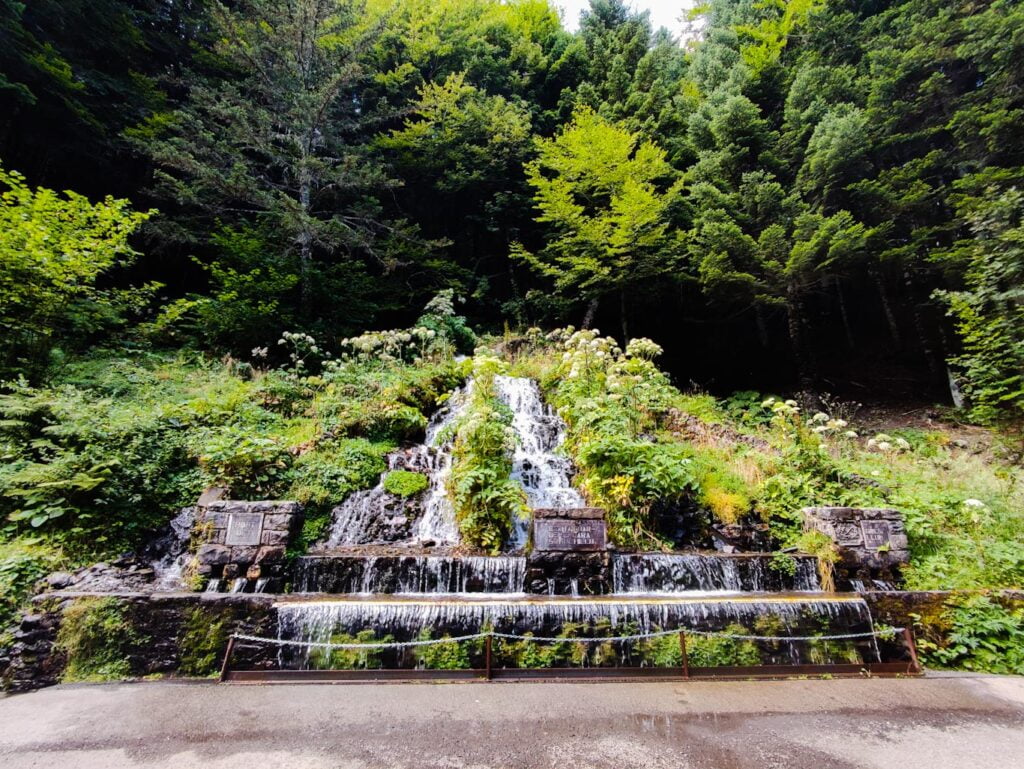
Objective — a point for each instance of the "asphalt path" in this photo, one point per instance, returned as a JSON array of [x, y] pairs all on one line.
[[960, 722]]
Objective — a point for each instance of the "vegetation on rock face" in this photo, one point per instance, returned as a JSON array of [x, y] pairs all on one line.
[[97, 638], [403, 483], [485, 498], [203, 639]]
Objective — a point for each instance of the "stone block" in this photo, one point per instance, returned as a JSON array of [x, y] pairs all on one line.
[[270, 553], [280, 521], [274, 538], [214, 555]]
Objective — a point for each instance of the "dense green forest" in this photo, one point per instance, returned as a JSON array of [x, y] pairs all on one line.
[[803, 193], [211, 209]]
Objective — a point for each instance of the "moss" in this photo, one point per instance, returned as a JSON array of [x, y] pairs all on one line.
[[203, 640], [97, 638], [404, 483]]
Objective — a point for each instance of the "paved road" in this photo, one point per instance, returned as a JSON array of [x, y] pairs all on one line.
[[935, 723]]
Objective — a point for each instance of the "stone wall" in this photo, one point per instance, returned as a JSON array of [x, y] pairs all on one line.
[[570, 553], [872, 542], [167, 626], [245, 539]]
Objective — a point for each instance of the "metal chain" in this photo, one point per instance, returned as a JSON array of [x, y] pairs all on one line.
[[560, 639]]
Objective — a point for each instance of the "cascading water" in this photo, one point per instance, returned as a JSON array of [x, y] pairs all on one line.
[[407, 618], [443, 575], [679, 573], [545, 475], [377, 516]]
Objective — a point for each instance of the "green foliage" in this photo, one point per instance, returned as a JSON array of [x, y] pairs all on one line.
[[97, 638], [203, 639], [606, 194], [701, 651], [983, 636], [485, 498], [404, 483], [54, 250], [349, 659], [22, 564], [453, 655], [990, 312]]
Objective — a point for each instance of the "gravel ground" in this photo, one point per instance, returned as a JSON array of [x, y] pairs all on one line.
[[960, 722]]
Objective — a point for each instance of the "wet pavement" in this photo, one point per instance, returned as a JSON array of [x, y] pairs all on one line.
[[959, 722]]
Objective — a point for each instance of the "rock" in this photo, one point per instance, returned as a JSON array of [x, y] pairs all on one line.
[[214, 555], [59, 579], [211, 494]]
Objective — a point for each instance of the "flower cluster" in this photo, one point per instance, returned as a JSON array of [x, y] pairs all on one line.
[[643, 348], [885, 444], [303, 350], [823, 424], [389, 346]]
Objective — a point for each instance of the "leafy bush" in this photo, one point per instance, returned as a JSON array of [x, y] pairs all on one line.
[[404, 483], [453, 655], [53, 252], [485, 498], [983, 636], [21, 565], [321, 658]]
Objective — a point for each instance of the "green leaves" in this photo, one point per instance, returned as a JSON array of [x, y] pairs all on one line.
[[53, 251], [607, 196]]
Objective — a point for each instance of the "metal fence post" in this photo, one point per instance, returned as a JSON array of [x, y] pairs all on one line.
[[227, 658], [490, 639], [908, 637], [686, 659]]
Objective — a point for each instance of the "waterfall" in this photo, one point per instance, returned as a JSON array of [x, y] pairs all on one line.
[[377, 516], [544, 474], [406, 618], [680, 573], [410, 574]]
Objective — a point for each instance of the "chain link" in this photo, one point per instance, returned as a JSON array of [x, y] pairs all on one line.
[[559, 639]]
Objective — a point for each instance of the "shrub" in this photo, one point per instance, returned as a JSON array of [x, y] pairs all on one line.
[[403, 483], [983, 636]]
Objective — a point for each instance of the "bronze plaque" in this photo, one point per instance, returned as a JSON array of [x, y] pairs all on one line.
[[583, 534], [244, 529], [847, 533], [876, 534]]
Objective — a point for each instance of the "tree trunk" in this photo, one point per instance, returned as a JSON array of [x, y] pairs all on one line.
[[305, 248], [588, 317], [933, 357], [762, 327], [806, 370], [843, 314], [624, 318], [890, 317]]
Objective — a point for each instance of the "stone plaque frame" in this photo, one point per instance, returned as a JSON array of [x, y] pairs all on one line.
[[569, 534], [244, 529], [876, 534]]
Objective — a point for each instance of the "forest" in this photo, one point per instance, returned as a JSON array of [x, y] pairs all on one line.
[[247, 243]]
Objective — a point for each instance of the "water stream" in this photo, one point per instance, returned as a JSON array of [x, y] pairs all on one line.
[[545, 474], [375, 516]]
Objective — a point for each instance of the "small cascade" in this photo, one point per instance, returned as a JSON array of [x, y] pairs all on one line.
[[169, 553], [407, 618], [261, 585], [214, 586], [545, 475], [375, 516], [409, 574], [239, 585], [679, 573]]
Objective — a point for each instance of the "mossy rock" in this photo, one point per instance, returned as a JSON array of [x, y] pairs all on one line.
[[404, 483]]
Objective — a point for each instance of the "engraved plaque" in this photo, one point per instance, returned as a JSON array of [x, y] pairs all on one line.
[[244, 529], [582, 534], [876, 534], [848, 534]]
